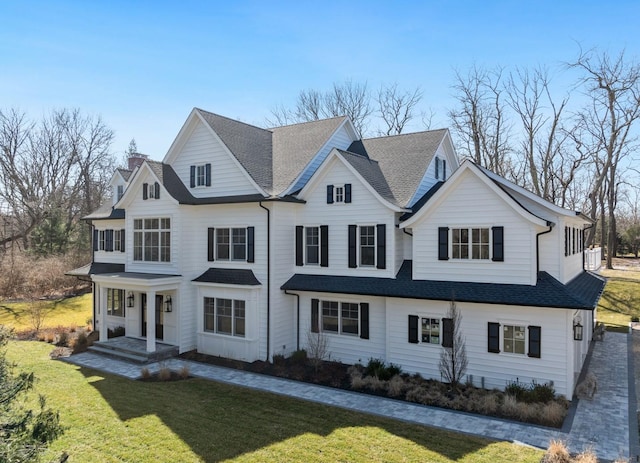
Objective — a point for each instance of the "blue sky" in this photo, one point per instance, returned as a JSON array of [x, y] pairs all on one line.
[[143, 65]]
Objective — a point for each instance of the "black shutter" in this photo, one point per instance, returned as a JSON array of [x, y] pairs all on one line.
[[251, 244], [122, 240], [437, 166], [329, 194], [381, 244], [444, 169], [566, 241], [95, 239], [211, 244], [534, 341], [193, 177], [315, 312], [157, 190], [347, 193], [494, 338], [207, 174], [324, 245], [413, 329], [443, 243], [364, 320], [353, 259], [299, 245], [108, 241], [498, 244], [145, 190], [447, 332]]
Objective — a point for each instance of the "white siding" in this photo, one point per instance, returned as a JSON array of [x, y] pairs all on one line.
[[496, 369], [227, 177], [115, 257], [365, 209], [429, 179], [474, 204]]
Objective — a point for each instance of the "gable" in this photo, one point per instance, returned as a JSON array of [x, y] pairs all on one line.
[[146, 187]]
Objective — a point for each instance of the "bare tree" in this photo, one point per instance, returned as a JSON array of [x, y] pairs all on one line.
[[453, 359], [613, 86], [317, 349], [396, 107]]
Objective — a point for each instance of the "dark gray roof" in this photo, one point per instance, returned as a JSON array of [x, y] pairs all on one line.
[[403, 159], [371, 172], [106, 212], [140, 275], [582, 293], [250, 145], [294, 146], [96, 268], [126, 173], [422, 201], [226, 276]]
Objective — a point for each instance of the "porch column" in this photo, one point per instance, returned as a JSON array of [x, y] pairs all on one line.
[[102, 316], [151, 321]]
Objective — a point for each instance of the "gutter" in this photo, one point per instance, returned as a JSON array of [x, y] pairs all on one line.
[[550, 225], [297, 318], [268, 278]]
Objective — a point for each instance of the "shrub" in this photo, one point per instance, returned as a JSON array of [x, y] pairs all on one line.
[[377, 368], [488, 404], [541, 393], [557, 453], [278, 359], [509, 406], [397, 386], [635, 319], [184, 372], [299, 357], [116, 332], [145, 373], [515, 389], [63, 339], [164, 374], [552, 414], [81, 343]]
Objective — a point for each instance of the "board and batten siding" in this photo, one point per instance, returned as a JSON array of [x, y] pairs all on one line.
[[498, 370], [227, 177], [349, 349], [474, 205], [364, 209], [340, 139]]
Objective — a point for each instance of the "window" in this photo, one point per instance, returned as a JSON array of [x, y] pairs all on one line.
[[513, 340], [200, 175], [231, 243], [117, 240], [101, 242], [339, 193], [431, 330], [340, 317], [464, 239], [312, 245], [120, 192], [367, 246], [152, 240], [115, 302], [224, 316]]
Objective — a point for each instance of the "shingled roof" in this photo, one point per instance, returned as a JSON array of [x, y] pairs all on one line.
[[228, 276], [371, 172], [581, 293]]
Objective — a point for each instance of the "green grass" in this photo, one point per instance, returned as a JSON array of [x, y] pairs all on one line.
[[112, 419], [620, 300], [73, 311]]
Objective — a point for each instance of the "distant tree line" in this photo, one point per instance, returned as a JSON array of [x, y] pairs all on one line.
[[514, 123]]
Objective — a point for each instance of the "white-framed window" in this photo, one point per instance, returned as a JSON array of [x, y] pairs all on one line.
[[117, 239], [514, 339], [102, 240], [201, 175], [120, 192], [115, 302], [430, 330], [367, 245], [224, 316], [312, 245], [338, 194], [231, 244], [340, 317], [470, 243], [152, 240]]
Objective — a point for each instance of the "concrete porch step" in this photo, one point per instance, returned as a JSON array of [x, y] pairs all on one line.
[[119, 354], [134, 349]]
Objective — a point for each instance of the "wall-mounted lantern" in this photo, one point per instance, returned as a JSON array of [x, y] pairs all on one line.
[[168, 304], [130, 299], [577, 329]]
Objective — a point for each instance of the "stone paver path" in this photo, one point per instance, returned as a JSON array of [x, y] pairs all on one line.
[[601, 424]]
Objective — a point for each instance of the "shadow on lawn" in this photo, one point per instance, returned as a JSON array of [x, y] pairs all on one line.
[[219, 421]]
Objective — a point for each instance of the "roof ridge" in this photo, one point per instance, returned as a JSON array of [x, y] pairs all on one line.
[[234, 120], [307, 122], [357, 154], [403, 134]]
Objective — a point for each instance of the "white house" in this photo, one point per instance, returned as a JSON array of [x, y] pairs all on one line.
[[243, 240]]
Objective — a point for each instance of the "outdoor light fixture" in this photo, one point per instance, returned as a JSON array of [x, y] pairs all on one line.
[[130, 299], [168, 304], [577, 329]]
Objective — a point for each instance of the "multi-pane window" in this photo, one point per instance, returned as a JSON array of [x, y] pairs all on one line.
[[367, 246], [340, 317], [222, 243], [513, 339], [312, 245], [339, 194], [117, 239], [431, 330], [474, 239], [201, 175], [231, 243], [120, 191], [224, 316], [152, 240], [115, 302], [102, 240]]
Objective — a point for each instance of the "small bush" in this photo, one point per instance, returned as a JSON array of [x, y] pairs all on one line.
[[488, 405], [116, 332], [397, 386], [81, 343], [377, 368], [635, 319], [515, 389], [299, 357], [278, 359], [63, 339], [541, 393], [509, 406], [184, 372], [557, 453], [552, 414], [164, 374], [145, 373]]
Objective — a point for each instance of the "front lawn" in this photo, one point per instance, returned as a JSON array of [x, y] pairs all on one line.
[[68, 312], [621, 298], [112, 419]]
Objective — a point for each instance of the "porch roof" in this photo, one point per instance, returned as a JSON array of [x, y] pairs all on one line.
[[228, 276], [95, 268]]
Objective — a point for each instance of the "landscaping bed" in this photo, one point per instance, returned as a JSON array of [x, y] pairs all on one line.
[[530, 403]]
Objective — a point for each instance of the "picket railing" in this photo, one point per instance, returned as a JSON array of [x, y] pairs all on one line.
[[592, 259]]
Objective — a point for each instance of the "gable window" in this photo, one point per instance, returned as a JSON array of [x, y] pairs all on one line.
[[152, 240], [339, 193], [348, 318], [339, 196], [224, 316], [200, 175], [120, 192], [115, 302], [470, 243]]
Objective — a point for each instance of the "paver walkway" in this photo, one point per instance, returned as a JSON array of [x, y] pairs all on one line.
[[601, 423]]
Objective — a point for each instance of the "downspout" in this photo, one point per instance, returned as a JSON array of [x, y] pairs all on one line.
[[268, 277], [550, 225], [93, 285], [583, 233], [297, 317]]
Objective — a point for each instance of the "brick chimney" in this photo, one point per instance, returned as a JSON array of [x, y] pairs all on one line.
[[136, 160]]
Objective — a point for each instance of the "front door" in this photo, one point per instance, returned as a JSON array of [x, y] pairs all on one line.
[[159, 316]]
